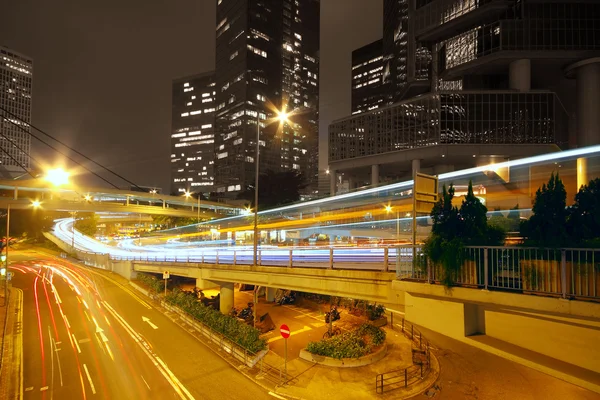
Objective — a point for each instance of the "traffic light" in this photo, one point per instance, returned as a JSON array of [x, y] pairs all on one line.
[[3, 271], [3, 258]]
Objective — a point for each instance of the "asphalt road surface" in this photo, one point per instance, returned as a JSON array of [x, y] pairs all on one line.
[[87, 336]]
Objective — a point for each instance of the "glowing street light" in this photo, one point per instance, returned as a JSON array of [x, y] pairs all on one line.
[[389, 209], [187, 195], [87, 198], [36, 204], [57, 177]]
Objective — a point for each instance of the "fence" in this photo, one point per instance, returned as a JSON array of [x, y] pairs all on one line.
[[402, 378], [566, 273]]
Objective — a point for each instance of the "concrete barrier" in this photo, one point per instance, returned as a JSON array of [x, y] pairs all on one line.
[[344, 362]]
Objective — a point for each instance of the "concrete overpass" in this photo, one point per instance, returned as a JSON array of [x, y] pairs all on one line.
[[20, 194]]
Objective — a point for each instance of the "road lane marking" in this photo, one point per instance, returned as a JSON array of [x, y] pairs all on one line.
[[76, 343], [44, 389], [29, 389], [67, 321], [89, 378], [277, 396], [51, 362], [146, 348], [295, 332], [148, 386], [149, 323], [86, 340]]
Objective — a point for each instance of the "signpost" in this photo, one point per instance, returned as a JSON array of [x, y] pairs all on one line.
[[166, 276], [285, 334], [425, 195]]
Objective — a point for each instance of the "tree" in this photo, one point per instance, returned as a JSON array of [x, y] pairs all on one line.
[[87, 223], [455, 228], [547, 227], [584, 215], [274, 189]]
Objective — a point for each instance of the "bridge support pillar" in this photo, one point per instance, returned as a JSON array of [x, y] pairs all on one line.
[[204, 284], [226, 297], [270, 294]]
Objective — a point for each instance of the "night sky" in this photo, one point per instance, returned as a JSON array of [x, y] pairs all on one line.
[[103, 71]]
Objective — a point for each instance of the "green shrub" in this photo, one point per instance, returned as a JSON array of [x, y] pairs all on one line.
[[375, 311], [244, 335], [154, 284], [353, 344]]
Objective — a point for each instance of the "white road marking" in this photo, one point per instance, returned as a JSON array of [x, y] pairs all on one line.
[[89, 379], [76, 343], [148, 386], [145, 319], [29, 389], [44, 389], [84, 340], [277, 396], [305, 329]]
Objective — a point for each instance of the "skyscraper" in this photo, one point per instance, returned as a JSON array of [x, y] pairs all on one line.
[[266, 61], [367, 78], [16, 73], [193, 134], [507, 79]]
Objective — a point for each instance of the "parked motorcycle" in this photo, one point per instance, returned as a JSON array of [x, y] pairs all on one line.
[[332, 315], [287, 298]]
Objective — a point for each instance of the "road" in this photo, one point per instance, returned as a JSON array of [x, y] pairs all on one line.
[[86, 335]]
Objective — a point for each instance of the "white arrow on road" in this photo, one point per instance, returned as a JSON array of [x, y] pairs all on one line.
[[102, 335], [149, 323]]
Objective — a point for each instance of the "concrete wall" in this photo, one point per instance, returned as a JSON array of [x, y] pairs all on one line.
[[576, 341]]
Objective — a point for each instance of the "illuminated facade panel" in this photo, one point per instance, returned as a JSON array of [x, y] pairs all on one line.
[[367, 78], [16, 74], [193, 134]]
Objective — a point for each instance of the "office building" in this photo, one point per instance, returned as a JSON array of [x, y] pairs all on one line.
[[507, 79], [266, 60], [193, 134], [16, 74], [367, 78]]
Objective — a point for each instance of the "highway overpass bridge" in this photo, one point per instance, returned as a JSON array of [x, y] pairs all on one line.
[[20, 195]]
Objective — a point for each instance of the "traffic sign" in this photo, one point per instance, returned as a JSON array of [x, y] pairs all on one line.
[[285, 331], [166, 275], [9, 275]]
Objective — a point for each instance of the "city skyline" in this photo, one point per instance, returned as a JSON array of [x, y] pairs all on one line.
[[107, 92]]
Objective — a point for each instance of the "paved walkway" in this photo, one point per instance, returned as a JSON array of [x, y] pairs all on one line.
[[11, 354]]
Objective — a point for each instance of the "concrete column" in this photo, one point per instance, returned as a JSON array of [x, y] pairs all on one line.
[[519, 75], [226, 297], [270, 294], [416, 166], [351, 183], [375, 175], [588, 98], [203, 284], [332, 182]]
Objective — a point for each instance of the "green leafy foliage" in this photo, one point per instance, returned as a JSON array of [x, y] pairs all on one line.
[[151, 281], [86, 223], [584, 215], [244, 335], [353, 344], [547, 227], [275, 188], [375, 311], [454, 228]]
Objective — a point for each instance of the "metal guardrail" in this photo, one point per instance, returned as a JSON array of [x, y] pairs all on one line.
[[402, 378], [566, 273]]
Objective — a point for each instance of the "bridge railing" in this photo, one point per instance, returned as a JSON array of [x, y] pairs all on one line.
[[566, 272]]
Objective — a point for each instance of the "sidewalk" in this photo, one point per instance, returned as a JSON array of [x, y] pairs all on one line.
[[12, 346]]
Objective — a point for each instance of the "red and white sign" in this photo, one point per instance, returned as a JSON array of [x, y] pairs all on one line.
[[285, 331]]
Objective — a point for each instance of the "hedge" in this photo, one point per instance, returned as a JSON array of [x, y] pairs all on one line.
[[353, 344], [149, 280], [244, 335]]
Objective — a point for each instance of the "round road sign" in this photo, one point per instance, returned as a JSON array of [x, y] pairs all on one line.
[[285, 331]]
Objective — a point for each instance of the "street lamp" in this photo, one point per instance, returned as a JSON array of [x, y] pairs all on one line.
[[57, 177], [187, 195], [389, 209], [282, 117]]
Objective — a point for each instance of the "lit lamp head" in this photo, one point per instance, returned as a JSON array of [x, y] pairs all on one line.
[[247, 211], [57, 177], [388, 209], [187, 194], [36, 204], [283, 117], [87, 198]]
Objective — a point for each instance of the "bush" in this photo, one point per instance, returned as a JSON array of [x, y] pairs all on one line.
[[375, 311], [244, 335], [154, 284], [353, 344]]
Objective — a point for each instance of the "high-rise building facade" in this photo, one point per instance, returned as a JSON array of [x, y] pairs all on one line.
[[16, 75], [507, 79], [367, 78], [193, 134], [267, 60]]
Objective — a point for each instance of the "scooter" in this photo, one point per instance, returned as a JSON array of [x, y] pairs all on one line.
[[287, 299], [333, 314]]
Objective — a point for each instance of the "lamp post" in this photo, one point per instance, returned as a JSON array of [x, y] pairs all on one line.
[[188, 194], [282, 117], [389, 209], [74, 216]]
